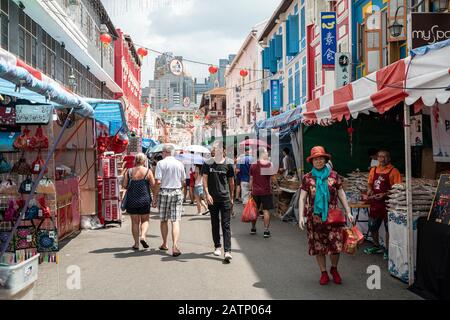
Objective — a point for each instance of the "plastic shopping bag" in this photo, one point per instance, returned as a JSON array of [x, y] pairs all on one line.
[[350, 241], [250, 212], [358, 234]]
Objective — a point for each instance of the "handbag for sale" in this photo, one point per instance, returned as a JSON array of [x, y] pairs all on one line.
[[5, 166], [37, 164], [335, 217], [22, 142], [8, 187], [4, 237], [7, 115], [21, 167], [119, 142], [46, 186], [33, 211], [47, 239], [25, 238], [10, 212], [26, 186], [39, 140], [46, 213]]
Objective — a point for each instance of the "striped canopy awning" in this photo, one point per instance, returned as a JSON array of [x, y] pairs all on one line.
[[420, 79]]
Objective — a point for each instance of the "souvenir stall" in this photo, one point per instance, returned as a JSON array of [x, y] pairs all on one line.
[[32, 107], [112, 145], [403, 82]]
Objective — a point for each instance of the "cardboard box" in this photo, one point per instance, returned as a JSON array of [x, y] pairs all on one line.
[[110, 189], [105, 168], [111, 210]]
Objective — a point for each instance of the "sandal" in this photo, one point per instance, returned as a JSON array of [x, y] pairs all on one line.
[[176, 253], [163, 248], [144, 244], [135, 248]]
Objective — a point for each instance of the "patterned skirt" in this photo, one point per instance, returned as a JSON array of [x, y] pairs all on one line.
[[323, 239]]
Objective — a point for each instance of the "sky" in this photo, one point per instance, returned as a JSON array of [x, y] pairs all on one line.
[[200, 30]]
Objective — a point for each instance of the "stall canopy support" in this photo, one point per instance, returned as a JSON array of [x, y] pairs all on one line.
[[35, 183]]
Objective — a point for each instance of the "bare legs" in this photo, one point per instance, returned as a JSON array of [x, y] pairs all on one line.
[[321, 260], [144, 225], [175, 233], [200, 203], [135, 220], [266, 220]]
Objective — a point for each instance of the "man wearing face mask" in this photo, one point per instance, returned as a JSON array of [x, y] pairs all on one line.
[[381, 180]]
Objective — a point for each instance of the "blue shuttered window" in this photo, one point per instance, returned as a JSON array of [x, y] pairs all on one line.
[[292, 26], [302, 29], [278, 46], [303, 80], [266, 101], [266, 58], [281, 93], [273, 59], [297, 87], [290, 90]]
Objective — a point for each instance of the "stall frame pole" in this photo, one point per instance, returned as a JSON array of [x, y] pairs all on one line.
[[410, 242]]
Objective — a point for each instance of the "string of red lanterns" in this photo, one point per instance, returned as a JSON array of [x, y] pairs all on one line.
[[142, 52]]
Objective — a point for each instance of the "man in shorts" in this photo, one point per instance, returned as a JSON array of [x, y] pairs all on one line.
[[170, 177], [262, 173]]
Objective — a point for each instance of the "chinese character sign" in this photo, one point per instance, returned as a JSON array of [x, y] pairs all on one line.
[[275, 94], [328, 37], [342, 68]]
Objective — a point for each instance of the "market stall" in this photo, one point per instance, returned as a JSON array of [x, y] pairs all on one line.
[[36, 111]]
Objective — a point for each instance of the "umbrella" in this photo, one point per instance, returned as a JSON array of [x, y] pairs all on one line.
[[254, 142], [197, 149], [188, 158], [159, 148]]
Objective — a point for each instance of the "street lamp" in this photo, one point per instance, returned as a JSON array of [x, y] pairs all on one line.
[[72, 81], [396, 28], [440, 5]]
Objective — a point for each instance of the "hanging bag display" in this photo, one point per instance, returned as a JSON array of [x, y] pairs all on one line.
[[26, 186], [103, 142], [33, 211], [39, 140], [46, 186], [38, 164], [3, 238], [119, 142], [22, 142], [5, 166], [21, 167], [10, 212], [7, 115]]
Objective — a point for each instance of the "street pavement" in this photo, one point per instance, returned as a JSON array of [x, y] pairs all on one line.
[[274, 268]]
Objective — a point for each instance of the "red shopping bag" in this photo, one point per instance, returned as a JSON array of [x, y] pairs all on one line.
[[358, 234], [250, 212], [350, 241]]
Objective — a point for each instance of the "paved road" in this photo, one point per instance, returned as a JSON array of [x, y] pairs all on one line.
[[275, 268]]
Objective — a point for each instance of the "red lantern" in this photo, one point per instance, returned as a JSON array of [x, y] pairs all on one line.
[[142, 52], [243, 73], [197, 117], [106, 39], [164, 110], [213, 69], [146, 105]]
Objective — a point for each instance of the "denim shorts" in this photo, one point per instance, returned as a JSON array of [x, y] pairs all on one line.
[[198, 190]]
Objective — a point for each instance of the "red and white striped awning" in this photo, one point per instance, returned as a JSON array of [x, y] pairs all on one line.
[[420, 79]]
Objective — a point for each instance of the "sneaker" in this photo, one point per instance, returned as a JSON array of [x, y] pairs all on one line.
[[336, 276], [218, 252], [373, 250], [386, 255], [267, 234], [253, 231], [228, 256], [324, 278]]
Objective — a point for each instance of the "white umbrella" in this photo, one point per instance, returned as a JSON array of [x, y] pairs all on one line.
[[197, 149], [159, 147]]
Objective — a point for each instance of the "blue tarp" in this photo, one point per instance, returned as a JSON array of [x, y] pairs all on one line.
[[424, 49], [149, 143], [281, 120], [109, 112]]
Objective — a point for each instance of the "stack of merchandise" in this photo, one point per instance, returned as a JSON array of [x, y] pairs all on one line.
[[284, 199], [422, 197], [291, 184], [110, 195], [356, 184]]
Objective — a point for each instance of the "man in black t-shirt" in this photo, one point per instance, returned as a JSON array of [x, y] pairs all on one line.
[[218, 185]]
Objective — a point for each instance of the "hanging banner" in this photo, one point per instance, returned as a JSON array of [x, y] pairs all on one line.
[[416, 131], [342, 61], [275, 98], [328, 37], [439, 209], [441, 132]]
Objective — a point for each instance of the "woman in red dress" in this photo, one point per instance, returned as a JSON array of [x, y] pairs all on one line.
[[320, 190]]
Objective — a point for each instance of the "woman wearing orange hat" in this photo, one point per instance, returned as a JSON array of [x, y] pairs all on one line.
[[321, 188]]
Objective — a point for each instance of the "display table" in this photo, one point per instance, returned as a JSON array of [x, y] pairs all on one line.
[[433, 260], [68, 206]]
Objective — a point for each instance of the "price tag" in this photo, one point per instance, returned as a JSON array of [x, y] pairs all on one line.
[[37, 168], [28, 187], [8, 110], [40, 213], [51, 234], [29, 238]]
